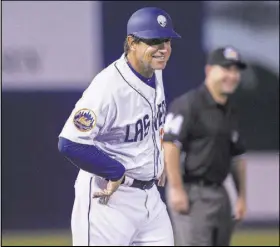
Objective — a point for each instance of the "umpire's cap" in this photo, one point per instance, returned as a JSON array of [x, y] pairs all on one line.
[[226, 56], [151, 23]]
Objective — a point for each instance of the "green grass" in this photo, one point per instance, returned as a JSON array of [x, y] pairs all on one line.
[[38, 238], [63, 238], [256, 238]]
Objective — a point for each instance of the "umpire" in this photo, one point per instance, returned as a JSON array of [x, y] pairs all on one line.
[[203, 124]]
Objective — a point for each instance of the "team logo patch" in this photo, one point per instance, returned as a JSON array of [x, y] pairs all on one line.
[[84, 120], [162, 20], [230, 53]]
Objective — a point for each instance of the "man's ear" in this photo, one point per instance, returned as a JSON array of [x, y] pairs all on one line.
[[130, 42], [207, 69]]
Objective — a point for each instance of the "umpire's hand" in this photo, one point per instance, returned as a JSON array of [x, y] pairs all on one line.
[[105, 194], [178, 200]]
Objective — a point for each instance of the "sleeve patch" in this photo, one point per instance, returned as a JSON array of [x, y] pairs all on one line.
[[173, 124], [84, 120]]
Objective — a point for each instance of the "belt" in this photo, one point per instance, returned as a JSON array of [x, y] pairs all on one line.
[[139, 184], [202, 182], [143, 185]]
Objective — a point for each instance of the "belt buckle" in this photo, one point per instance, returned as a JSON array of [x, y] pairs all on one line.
[[144, 186]]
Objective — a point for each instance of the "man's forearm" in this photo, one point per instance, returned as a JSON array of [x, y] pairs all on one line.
[[238, 172], [91, 159], [172, 165]]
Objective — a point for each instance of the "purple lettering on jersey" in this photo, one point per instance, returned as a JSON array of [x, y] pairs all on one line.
[[127, 135], [137, 132], [146, 122], [160, 118]]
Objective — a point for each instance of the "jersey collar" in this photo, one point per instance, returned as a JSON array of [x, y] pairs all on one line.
[[149, 81], [133, 80]]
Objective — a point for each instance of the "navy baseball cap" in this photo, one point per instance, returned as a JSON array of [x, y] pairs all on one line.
[[151, 23], [226, 56]]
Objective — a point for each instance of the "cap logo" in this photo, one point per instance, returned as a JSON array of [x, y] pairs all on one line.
[[229, 53], [162, 20]]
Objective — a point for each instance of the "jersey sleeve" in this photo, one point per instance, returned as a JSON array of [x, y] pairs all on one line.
[[91, 114], [178, 120]]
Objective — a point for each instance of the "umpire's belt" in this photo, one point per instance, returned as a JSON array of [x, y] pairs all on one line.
[[202, 182]]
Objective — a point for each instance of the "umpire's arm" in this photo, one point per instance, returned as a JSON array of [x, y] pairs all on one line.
[[238, 171], [238, 168]]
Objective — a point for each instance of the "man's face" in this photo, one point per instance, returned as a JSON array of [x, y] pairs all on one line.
[[226, 79], [154, 53]]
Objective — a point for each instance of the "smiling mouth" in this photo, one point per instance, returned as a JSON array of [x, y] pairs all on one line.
[[161, 58]]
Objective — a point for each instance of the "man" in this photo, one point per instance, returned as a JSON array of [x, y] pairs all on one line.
[[203, 124], [114, 135]]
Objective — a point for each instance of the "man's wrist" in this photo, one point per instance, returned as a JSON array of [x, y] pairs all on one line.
[[117, 178], [242, 197], [176, 186]]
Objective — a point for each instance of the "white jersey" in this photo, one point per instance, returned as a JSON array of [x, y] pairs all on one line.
[[124, 117]]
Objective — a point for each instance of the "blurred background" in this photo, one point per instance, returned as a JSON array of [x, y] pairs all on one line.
[[50, 53]]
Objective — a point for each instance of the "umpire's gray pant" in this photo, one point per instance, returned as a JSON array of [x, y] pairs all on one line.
[[209, 221]]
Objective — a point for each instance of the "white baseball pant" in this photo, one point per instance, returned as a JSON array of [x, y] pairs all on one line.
[[132, 217]]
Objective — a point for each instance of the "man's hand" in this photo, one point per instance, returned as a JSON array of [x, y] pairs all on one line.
[[240, 209], [162, 179], [178, 200], [105, 194]]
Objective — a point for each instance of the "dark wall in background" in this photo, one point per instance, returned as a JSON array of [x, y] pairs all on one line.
[[37, 183], [259, 110]]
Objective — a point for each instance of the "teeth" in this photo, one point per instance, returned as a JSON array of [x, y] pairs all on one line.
[[161, 57]]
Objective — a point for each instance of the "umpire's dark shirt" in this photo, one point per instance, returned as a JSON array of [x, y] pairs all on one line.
[[207, 132]]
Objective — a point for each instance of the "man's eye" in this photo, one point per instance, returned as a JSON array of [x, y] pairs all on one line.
[[159, 41], [156, 41]]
